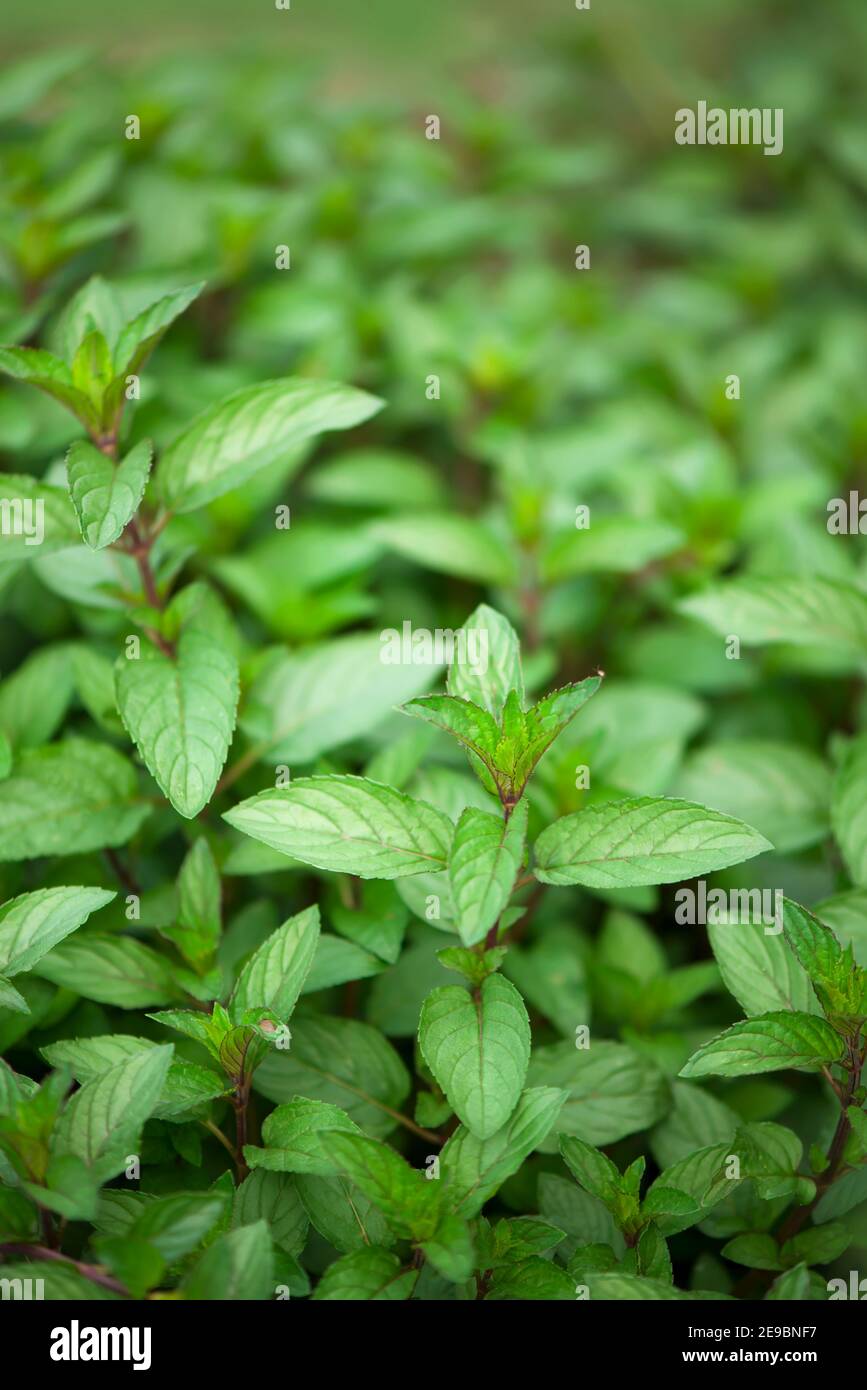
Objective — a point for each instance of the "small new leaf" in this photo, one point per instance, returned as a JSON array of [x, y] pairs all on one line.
[[478, 1049], [106, 495]]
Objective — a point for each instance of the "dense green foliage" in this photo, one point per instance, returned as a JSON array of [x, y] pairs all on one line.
[[417, 663]]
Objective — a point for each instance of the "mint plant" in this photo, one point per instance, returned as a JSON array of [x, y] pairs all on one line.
[[433, 863], [492, 1099]]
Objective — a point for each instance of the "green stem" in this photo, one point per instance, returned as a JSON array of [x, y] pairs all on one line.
[[218, 1134], [138, 545]]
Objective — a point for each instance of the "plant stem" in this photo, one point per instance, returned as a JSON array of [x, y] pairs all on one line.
[[246, 761], [140, 550], [139, 547], [798, 1217], [218, 1134], [125, 878], [411, 1124], [49, 1234], [240, 1101], [95, 1273]]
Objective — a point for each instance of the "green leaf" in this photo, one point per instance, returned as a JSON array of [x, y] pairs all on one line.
[[337, 962], [274, 976], [702, 1177], [342, 1062], [667, 1202], [377, 921], [292, 1137], [273, 1198], [484, 861], [180, 713], [96, 305], [188, 1087], [449, 544], [368, 478], [624, 1288], [532, 1279], [51, 375], [642, 840], [62, 1283], [758, 968], [5, 756], [30, 925], [92, 372], [545, 721], [475, 966], [820, 1246], [769, 1154], [140, 335], [591, 1169], [516, 1238], [799, 610], [552, 976], [35, 697], [348, 825], [596, 1258], [756, 1251], [94, 681], [768, 1042], [474, 728], [68, 798], [781, 789], [696, 1120], [208, 1029], [306, 702], [176, 1224], [342, 1214], [370, 1275], [137, 1265], [846, 915], [791, 1287], [477, 1168], [478, 1049], [844, 1193], [36, 518], [585, 1220], [102, 1122], [451, 1249], [26, 82], [106, 495], [11, 999], [408, 1200], [111, 969], [238, 1266], [653, 1259], [848, 815], [71, 1189], [305, 582], [612, 1090], [487, 681], [836, 979], [197, 931], [230, 442], [613, 545]]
